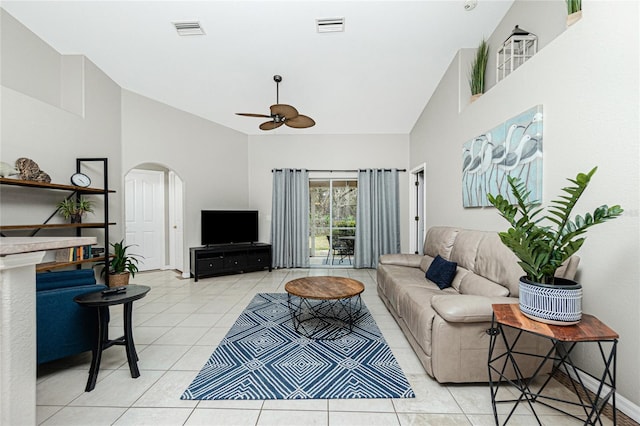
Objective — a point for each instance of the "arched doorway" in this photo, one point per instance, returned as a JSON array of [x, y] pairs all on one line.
[[154, 206]]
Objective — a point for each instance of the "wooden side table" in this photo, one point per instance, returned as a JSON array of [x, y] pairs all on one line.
[[564, 339], [102, 302]]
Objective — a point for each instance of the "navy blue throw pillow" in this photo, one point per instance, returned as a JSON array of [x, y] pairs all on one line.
[[441, 272]]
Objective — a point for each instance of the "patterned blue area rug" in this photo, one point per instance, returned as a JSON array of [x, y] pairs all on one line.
[[263, 357]]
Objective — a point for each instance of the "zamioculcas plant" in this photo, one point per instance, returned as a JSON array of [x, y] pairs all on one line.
[[544, 243]]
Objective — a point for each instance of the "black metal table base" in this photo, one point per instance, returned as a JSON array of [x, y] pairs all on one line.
[[101, 300], [324, 319], [560, 354], [104, 343]]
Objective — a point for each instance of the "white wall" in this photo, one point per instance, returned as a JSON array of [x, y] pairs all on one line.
[[210, 159], [35, 125], [320, 152], [587, 79], [546, 19]]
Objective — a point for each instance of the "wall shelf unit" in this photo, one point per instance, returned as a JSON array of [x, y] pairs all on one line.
[[47, 266], [54, 226], [74, 191]]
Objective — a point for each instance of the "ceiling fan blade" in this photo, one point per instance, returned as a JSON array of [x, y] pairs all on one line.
[[270, 125], [300, 122], [284, 110], [249, 114]]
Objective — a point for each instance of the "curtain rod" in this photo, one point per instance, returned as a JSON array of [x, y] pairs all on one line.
[[333, 171]]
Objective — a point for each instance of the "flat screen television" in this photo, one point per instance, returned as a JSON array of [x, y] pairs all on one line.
[[229, 226]]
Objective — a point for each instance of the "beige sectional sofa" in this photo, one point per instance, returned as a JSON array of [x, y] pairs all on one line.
[[447, 328]]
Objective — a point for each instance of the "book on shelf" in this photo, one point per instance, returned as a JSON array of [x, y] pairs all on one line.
[[97, 251], [73, 254]]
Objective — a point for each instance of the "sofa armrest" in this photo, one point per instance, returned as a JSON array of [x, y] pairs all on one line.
[[63, 327], [467, 308], [402, 259]]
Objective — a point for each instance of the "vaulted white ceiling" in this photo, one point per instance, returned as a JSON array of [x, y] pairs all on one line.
[[375, 77]]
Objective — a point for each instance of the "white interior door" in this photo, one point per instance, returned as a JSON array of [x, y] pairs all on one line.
[[176, 225], [144, 216]]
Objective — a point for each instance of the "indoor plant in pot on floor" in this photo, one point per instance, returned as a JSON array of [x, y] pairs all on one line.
[[121, 265], [543, 243]]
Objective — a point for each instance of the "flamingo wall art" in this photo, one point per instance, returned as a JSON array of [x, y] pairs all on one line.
[[514, 148]]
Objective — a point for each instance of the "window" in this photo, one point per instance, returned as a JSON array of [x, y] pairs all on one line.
[[332, 221]]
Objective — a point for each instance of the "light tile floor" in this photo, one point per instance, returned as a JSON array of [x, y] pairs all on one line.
[[177, 327]]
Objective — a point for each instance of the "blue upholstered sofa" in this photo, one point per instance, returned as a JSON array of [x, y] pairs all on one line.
[[64, 328]]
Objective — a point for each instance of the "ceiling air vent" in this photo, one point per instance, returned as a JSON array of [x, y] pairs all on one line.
[[189, 28], [330, 25]]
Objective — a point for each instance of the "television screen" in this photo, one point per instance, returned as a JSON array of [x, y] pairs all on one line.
[[229, 226]]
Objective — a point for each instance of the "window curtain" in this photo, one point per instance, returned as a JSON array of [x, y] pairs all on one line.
[[377, 216], [290, 219]]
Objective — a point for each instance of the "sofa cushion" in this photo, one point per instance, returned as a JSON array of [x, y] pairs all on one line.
[[394, 281], [441, 272], [497, 263], [466, 248], [475, 284], [439, 241]]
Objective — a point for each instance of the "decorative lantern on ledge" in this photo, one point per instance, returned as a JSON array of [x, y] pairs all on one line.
[[515, 51]]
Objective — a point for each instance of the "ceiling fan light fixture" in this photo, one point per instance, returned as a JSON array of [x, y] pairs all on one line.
[[188, 28], [330, 25], [281, 114]]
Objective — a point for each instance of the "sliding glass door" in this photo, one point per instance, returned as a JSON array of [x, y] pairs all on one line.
[[332, 210]]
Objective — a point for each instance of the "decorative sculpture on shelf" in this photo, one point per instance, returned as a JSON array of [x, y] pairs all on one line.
[[29, 170], [7, 170]]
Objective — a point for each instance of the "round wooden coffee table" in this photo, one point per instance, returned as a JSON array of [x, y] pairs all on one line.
[[324, 308]]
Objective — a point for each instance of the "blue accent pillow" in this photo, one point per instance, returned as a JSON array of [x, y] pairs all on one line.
[[441, 272]]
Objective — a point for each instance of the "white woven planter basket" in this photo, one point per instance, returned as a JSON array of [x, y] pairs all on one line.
[[551, 304]]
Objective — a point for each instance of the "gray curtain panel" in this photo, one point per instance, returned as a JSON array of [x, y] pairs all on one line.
[[290, 219], [378, 216]]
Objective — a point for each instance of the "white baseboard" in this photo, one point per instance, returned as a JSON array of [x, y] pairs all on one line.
[[171, 267], [623, 404]]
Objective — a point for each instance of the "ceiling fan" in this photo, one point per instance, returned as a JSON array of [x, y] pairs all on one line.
[[282, 114]]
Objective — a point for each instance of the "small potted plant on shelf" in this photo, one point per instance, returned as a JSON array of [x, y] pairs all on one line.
[[75, 208], [574, 11], [544, 243], [121, 265], [478, 70]]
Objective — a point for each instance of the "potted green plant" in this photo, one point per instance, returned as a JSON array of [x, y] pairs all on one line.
[[543, 243], [574, 11], [478, 70], [75, 208], [121, 265]]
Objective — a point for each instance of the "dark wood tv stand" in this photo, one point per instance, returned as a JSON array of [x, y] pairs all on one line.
[[226, 259]]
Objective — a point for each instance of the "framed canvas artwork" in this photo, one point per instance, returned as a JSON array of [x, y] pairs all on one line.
[[513, 148]]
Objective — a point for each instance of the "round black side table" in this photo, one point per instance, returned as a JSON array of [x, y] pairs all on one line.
[[102, 301]]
